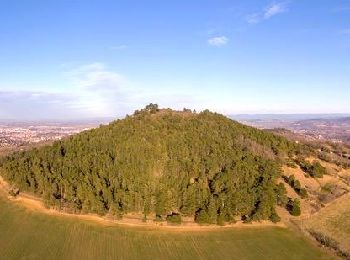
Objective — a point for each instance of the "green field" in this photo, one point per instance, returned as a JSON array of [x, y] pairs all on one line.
[[26, 234]]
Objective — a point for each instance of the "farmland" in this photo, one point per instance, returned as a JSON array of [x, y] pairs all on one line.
[[29, 234]]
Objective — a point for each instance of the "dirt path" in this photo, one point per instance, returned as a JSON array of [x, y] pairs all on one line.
[[33, 203]]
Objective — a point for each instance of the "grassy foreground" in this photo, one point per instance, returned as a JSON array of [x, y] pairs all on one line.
[[26, 234]]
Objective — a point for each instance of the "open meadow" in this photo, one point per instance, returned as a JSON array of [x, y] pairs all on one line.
[[333, 221], [27, 234]]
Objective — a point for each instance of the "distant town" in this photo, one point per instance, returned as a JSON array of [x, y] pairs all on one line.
[[334, 129], [21, 134]]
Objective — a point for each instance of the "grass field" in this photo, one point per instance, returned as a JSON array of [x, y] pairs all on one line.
[[26, 234], [333, 221]]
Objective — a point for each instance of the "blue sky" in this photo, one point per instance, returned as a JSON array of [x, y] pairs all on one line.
[[81, 59]]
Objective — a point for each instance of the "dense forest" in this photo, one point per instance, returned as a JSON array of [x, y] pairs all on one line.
[[160, 162]]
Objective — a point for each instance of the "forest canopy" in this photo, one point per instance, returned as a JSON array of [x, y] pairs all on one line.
[[159, 162]]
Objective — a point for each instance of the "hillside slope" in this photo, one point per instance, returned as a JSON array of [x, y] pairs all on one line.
[[158, 162]]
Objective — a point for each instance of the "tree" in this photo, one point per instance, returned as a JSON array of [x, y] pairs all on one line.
[[317, 170], [152, 108], [303, 193], [174, 218], [202, 217], [291, 180], [274, 217], [281, 194], [212, 211], [294, 207], [296, 185]]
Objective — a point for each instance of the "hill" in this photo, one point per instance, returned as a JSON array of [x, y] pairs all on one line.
[[166, 164]]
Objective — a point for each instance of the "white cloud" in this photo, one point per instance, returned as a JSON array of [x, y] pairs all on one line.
[[100, 90], [253, 18], [274, 9], [96, 77], [21, 104], [218, 41], [91, 91], [268, 12]]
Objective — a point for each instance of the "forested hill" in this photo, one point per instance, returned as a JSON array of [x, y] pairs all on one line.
[[163, 163]]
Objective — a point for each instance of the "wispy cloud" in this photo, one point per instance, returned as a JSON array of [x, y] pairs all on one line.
[[253, 18], [268, 12], [21, 104], [218, 41], [101, 90], [275, 9], [91, 91], [96, 77]]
